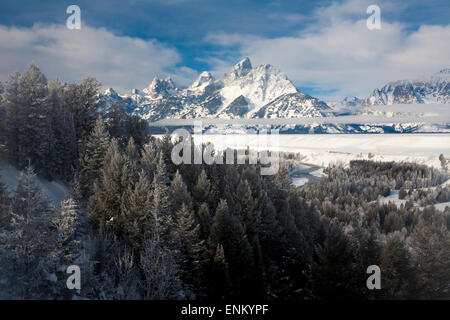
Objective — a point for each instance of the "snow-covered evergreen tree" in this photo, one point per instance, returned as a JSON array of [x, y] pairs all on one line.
[[115, 177], [192, 250], [32, 241], [202, 188], [82, 102], [179, 194], [150, 159], [93, 156], [136, 212], [67, 224], [64, 146], [204, 219], [227, 231], [160, 209], [246, 208], [15, 113], [161, 272], [36, 136]]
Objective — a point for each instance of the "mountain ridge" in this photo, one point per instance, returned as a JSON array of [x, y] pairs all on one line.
[[264, 92], [425, 90], [241, 92]]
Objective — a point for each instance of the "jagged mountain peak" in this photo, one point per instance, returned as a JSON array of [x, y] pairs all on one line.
[[240, 69], [260, 85], [204, 78], [111, 92], [160, 88], [266, 71], [244, 65]]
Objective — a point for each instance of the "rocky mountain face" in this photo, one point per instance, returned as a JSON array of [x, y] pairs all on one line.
[[243, 92], [434, 89], [286, 106]]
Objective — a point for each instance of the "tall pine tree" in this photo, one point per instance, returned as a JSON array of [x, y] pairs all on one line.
[[115, 177], [136, 212], [192, 249], [179, 194], [164, 222], [227, 231], [93, 157]]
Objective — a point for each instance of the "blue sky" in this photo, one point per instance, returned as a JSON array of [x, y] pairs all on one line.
[[323, 46]]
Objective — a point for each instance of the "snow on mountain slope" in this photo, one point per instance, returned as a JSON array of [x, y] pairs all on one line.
[[293, 105], [260, 85], [433, 89], [241, 93], [239, 70], [238, 108], [347, 106], [160, 88], [54, 191], [204, 85], [264, 92]]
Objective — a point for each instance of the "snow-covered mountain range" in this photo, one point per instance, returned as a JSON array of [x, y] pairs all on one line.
[[243, 92], [264, 92], [432, 89]]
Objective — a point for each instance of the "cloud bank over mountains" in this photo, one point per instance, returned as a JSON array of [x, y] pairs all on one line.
[[118, 61], [339, 53], [334, 56]]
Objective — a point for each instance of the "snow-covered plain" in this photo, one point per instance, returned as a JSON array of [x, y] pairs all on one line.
[[323, 149]]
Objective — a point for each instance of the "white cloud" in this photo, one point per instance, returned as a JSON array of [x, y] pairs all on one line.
[[338, 52], [116, 61], [230, 39], [293, 18]]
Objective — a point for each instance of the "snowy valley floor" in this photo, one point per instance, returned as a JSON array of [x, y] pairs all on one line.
[[316, 150], [323, 149]]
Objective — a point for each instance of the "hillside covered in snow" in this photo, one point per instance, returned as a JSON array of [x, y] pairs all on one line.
[[54, 191]]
